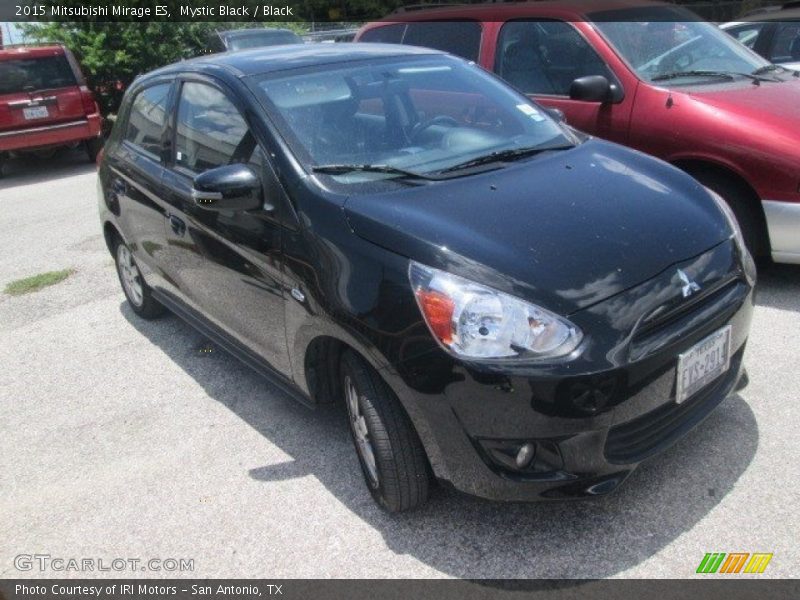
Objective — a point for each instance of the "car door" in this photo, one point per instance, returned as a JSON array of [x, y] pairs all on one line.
[[542, 58], [226, 265], [135, 175]]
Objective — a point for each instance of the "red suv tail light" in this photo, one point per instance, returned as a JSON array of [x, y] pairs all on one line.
[[89, 104]]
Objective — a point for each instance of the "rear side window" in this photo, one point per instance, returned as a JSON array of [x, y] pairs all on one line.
[[211, 132], [462, 38], [747, 34], [388, 34], [146, 119], [786, 47], [545, 57], [32, 74]]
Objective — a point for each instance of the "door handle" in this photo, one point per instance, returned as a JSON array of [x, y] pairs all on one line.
[[177, 225]]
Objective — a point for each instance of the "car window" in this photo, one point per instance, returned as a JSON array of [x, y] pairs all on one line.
[[747, 34], [423, 114], [545, 57], [668, 45], [32, 74], [388, 34], [462, 38], [210, 131], [146, 118], [786, 47]]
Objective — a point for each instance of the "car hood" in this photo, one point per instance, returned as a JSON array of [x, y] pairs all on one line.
[[565, 229], [770, 103]]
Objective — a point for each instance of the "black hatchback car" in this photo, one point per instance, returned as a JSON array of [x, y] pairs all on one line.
[[501, 302]]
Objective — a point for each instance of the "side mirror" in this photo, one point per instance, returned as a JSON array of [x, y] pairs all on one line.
[[594, 88], [231, 187]]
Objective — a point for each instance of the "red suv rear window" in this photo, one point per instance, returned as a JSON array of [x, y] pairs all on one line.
[[32, 74]]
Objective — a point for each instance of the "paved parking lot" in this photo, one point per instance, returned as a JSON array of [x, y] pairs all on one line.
[[123, 438]]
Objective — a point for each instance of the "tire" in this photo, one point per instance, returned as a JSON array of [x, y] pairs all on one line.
[[745, 205], [93, 147], [3, 159], [138, 294], [398, 475]]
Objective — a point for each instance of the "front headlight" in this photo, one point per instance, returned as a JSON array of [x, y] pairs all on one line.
[[738, 237], [474, 321]]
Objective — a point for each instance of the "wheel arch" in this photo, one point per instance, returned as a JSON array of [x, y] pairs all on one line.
[[111, 233], [702, 167]]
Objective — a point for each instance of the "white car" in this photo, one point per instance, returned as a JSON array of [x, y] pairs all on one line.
[[772, 33]]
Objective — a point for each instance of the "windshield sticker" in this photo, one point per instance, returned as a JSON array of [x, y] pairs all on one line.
[[531, 112]]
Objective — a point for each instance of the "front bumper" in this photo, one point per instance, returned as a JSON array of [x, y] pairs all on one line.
[[593, 419], [44, 136], [783, 224]]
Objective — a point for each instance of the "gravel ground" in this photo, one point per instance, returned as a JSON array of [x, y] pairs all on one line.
[[128, 439]]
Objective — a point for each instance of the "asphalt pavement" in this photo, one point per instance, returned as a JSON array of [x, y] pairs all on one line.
[[121, 438]]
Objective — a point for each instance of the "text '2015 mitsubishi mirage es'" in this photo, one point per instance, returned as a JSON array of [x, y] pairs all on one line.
[[502, 303]]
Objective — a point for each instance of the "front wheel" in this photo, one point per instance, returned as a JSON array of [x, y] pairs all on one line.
[[137, 292], [746, 206], [391, 455]]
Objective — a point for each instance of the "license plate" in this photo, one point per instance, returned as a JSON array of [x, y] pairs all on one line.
[[35, 112], [703, 363]]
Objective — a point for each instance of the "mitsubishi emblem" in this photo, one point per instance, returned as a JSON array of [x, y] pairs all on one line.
[[689, 286]]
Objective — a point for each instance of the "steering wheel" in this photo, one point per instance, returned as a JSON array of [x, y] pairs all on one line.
[[438, 120]]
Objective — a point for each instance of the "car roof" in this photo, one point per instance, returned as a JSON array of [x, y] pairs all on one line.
[[502, 12], [10, 52], [257, 61]]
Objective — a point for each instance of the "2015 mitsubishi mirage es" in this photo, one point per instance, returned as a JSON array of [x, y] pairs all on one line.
[[501, 302]]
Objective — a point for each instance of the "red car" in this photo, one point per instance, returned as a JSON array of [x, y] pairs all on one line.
[[44, 102], [651, 76]]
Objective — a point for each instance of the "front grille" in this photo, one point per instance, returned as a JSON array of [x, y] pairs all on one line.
[[671, 322], [653, 432]]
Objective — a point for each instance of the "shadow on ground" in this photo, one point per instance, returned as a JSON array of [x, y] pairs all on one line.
[[470, 538], [779, 287], [28, 168]]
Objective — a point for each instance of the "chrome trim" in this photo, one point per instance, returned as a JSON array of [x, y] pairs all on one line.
[[783, 224], [41, 101], [81, 123]]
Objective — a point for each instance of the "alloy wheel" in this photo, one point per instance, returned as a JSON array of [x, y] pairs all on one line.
[[358, 424], [130, 276]]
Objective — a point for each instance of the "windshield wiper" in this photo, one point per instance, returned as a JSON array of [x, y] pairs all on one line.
[[505, 156], [343, 169], [772, 68], [724, 74]]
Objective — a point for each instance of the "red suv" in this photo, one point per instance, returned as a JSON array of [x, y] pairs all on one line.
[[651, 76], [44, 102]]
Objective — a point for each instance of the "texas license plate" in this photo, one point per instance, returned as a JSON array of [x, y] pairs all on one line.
[[35, 112], [703, 363]]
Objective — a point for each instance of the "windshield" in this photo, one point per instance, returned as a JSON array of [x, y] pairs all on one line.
[[658, 48], [420, 114]]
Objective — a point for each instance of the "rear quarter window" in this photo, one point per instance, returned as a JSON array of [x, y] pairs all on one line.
[[22, 75], [462, 38]]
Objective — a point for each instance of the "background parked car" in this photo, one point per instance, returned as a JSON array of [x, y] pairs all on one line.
[[239, 39], [649, 75], [44, 102], [774, 34]]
